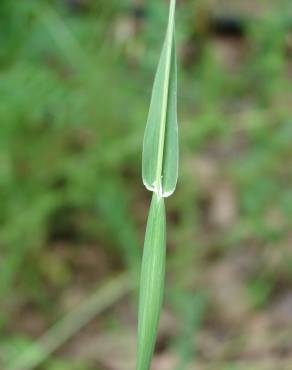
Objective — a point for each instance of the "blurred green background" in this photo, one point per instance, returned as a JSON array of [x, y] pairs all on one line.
[[75, 84]]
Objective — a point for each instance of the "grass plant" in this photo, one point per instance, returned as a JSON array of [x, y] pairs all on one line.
[[160, 171]]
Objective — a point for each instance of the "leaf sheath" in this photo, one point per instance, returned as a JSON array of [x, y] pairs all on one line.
[[151, 282]]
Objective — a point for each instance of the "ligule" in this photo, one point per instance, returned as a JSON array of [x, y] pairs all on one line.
[[151, 282]]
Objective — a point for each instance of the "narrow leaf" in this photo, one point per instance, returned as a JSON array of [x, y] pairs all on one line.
[[160, 146], [152, 282]]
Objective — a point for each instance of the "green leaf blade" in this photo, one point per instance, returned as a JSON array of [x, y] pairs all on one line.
[[151, 282], [170, 159], [160, 145]]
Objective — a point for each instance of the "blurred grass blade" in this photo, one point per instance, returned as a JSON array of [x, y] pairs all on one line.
[[65, 328], [160, 146], [152, 282], [191, 313]]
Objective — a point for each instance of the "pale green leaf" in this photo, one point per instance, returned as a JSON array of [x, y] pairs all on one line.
[[152, 282], [160, 146]]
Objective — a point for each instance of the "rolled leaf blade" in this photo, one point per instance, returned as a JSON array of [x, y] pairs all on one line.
[[160, 145]]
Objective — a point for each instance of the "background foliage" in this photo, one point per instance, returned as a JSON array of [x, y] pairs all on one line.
[[75, 82]]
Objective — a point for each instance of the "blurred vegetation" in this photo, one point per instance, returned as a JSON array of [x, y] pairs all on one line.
[[75, 81]]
